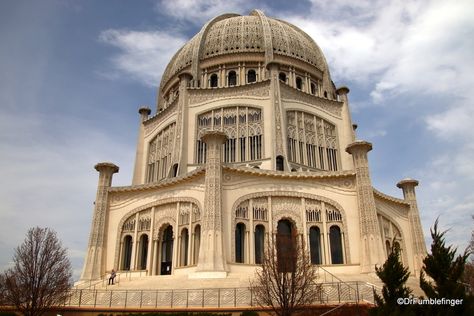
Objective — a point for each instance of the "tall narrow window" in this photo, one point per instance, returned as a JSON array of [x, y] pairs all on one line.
[[282, 76], [127, 252], [184, 247], [315, 244], [167, 250], [175, 170], [336, 244], [259, 243], [239, 243], [213, 81], [280, 163], [251, 76], [143, 251], [231, 78]]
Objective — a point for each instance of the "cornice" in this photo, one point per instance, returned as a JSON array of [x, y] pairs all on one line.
[[163, 183], [389, 198]]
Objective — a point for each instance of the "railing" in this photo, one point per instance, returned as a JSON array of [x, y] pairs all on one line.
[[350, 292], [104, 280]]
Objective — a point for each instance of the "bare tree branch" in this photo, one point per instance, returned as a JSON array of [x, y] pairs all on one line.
[[287, 280], [41, 275]]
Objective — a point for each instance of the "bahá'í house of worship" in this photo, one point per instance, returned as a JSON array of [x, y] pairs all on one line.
[[249, 137]]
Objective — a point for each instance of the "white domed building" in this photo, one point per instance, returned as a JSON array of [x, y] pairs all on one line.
[[250, 138]]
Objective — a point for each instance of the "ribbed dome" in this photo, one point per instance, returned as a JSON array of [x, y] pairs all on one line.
[[255, 33]]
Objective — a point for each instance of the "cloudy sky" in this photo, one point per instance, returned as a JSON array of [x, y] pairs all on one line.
[[74, 73]]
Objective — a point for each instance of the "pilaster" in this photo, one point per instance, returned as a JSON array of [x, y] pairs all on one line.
[[347, 134], [279, 133], [371, 249], [94, 265], [212, 262], [416, 231], [139, 163]]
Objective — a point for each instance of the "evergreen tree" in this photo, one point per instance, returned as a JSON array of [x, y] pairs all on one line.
[[394, 277], [445, 271]]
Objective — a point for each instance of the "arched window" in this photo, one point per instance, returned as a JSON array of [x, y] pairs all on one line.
[[259, 243], [286, 254], [239, 242], [184, 247], [282, 76], [280, 163], [313, 88], [299, 83], [231, 78], [336, 244], [325, 94], [315, 244], [127, 252], [143, 254], [167, 250], [213, 81], [251, 76], [197, 242]]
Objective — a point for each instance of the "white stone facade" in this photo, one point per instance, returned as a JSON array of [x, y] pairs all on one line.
[[250, 138]]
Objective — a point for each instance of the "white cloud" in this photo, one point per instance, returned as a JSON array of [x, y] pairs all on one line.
[[198, 12], [143, 55], [48, 179]]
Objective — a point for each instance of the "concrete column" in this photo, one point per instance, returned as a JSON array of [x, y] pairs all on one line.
[[347, 135], [140, 164], [252, 235], [94, 265], [325, 239], [212, 259], [418, 242], [371, 250]]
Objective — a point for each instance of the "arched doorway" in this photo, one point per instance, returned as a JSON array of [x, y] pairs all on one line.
[[167, 250], [143, 252], [285, 244], [127, 252]]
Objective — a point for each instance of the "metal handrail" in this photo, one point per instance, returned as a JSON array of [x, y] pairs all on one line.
[[212, 297]]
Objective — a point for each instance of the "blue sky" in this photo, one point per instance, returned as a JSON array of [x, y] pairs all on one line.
[[74, 73]]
